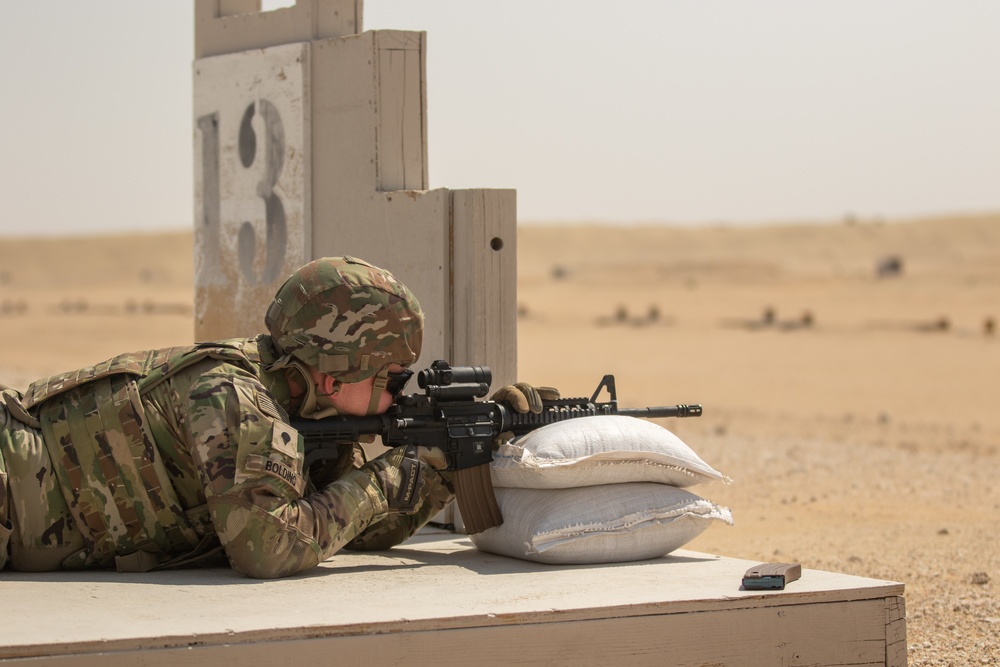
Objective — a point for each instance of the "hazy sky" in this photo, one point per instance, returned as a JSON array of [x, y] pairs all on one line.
[[686, 111]]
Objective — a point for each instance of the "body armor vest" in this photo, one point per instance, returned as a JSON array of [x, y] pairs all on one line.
[[104, 456]]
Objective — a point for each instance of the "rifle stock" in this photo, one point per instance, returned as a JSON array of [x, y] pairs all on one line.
[[448, 416]]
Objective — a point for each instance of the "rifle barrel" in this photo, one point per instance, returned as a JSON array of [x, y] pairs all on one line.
[[663, 411]]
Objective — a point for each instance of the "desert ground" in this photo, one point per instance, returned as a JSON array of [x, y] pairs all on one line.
[[856, 410]]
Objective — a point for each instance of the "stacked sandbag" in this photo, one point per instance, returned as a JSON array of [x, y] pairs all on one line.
[[598, 490]]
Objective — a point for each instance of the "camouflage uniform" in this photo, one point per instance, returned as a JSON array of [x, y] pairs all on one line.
[[170, 454]]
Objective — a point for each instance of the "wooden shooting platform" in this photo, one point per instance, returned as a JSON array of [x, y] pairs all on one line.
[[437, 600]]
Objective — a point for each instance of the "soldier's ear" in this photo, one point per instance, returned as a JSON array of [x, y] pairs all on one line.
[[325, 384]]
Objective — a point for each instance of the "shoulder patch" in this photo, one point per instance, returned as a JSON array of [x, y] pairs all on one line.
[[285, 439], [270, 408]]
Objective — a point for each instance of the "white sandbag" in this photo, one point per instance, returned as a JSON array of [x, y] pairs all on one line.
[[607, 449], [611, 523]]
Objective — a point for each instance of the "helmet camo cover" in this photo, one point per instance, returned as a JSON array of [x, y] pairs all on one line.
[[346, 318]]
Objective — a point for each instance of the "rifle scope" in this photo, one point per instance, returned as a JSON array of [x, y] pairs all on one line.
[[441, 373]]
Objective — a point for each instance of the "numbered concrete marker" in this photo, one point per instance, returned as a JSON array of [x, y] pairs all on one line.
[[310, 141], [250, 173]]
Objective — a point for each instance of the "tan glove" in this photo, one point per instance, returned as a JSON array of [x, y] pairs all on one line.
[[433, 457], [524, 398]]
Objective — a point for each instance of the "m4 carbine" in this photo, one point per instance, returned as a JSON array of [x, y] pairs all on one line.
[[448, 416]]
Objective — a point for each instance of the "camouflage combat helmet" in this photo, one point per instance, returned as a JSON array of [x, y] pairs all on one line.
[[346, 318]]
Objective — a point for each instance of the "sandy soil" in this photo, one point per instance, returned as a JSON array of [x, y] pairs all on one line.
[[857, 414]]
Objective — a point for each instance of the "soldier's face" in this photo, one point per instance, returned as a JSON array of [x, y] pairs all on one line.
[[353, 399]]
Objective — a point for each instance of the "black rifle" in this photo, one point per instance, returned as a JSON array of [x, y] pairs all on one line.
[[448, 416]]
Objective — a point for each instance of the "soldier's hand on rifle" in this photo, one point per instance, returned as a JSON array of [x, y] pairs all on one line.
[[524, 397], [398, 474], [433, 457]]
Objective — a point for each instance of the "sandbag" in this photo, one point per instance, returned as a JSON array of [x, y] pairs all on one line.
[[607, 449], [609, 523]]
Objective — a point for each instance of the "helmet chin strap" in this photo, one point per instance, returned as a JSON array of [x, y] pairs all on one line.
[[381, 380], [310, 408]]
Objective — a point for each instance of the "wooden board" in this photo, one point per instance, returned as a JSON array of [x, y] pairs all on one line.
[[438, 599], [484, 330], [400, 151], [229, 26]]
